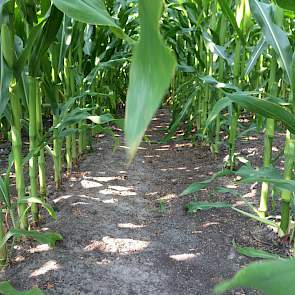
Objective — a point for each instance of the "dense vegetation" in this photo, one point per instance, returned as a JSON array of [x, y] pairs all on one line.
[[66, 65]]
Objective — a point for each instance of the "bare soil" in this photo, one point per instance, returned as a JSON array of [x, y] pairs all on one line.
[[119, 238]]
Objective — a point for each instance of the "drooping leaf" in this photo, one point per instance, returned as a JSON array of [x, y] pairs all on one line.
[[7, 289], [265, 108], [218, 107], [151, 72], [44, 204], [255, 253], [45, 38], [102, 119], [220, 85], [193, 206], [273, 34], [180, 117], [257, 51], [92, 12], [217, 49], [49, 238], [197, 186], [272, 277]]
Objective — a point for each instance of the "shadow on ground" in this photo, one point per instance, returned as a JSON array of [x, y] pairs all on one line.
[[118, 240]]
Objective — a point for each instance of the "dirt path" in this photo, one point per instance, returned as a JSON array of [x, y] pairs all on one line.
[[116, 240]]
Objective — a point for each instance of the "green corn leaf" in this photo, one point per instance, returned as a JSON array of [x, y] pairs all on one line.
[[25, 54], [265, 108], [197, 186], [220, 85], [254, 253], [49, 238], [180, 117], [92, 12], [150, 75], [217, 49], [257, 51], [218, 107], [44, 204], [194, 207], [4, 192], [45, 38], [271, 277], [6, 75], [231, 17], [286, 4], [7, 289], [102, 119], [273, 34]]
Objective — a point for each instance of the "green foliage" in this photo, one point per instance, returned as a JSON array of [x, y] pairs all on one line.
[[271, 277], [150, 75], [255, 253], [49, 238], [7, 289]]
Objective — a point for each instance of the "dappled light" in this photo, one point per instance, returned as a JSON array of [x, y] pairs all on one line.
[[49, 266], [184, 256], [147, 147], [117, 245]]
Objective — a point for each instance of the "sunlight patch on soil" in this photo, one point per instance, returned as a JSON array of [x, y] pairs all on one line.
[[66, 197], [184, 256], [118, 191], [207, 224], [40, 248], [46, 267], [130, 225], [117, 245], [90, 184]]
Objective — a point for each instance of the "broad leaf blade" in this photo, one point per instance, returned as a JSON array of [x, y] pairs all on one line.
[[273, 34], [7, 289], [255, 253], [265, 108], [257, 51], [151, 71], [272, 277], [49, 238], [193, 207], [197, 186], [93, 12]]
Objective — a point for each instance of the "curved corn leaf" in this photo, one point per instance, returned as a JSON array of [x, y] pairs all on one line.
[[49, 209], [197, 186], [219, 106], [193, 206], [180, 117], [265, 108], [93, 12], [49, 238], [7, 289], [255, 253], [257, 51], [220, 85], [273, 34], [46, 36], [271, 277], [150, 75], [217, 49]]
